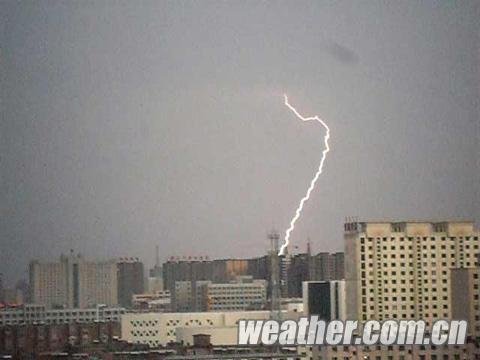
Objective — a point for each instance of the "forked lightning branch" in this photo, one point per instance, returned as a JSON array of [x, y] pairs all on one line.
[[315, 178]]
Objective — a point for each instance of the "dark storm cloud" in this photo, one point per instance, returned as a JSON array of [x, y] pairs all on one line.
[[342, 53]]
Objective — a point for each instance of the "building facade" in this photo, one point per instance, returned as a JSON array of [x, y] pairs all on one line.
[[49, 341], [243, 294], [73, 282], [159, 301], [293, 270], [325, 299], [32, 314], [50, 282], [130, 276], [401, 270], [183, 296], [94, 283], [198, 269], [158, 329], [392, 352], [465, 290], [320, 267]]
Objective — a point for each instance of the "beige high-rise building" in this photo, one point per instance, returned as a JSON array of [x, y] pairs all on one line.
[[401, 270], [73, 282], [50, 283], [97, 284]]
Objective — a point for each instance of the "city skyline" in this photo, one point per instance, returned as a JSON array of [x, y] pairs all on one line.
[[125, 127]]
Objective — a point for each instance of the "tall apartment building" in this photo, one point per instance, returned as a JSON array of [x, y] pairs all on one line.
[[300, 270], [130, 278], [320, 267], [328, 266], [73, 282], [401, 270], [51, 282], [185, 270], [339, 266], [94, 282], [259, 267], [324, 266]]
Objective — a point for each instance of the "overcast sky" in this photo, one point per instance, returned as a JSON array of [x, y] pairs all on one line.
[[130, 124]]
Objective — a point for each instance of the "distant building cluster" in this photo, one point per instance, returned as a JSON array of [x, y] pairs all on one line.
[[182, 285], [243, 293], [183, 277], [74, 282]]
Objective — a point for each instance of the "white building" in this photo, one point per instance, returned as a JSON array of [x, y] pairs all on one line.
[[157, 329], [39, 314]]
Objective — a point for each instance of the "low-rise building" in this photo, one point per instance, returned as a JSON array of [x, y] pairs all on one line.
[[40, 314], [158, 329], [159, 301], [242, 294]]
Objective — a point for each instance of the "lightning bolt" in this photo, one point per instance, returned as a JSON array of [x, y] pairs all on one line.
[[315, 178]]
